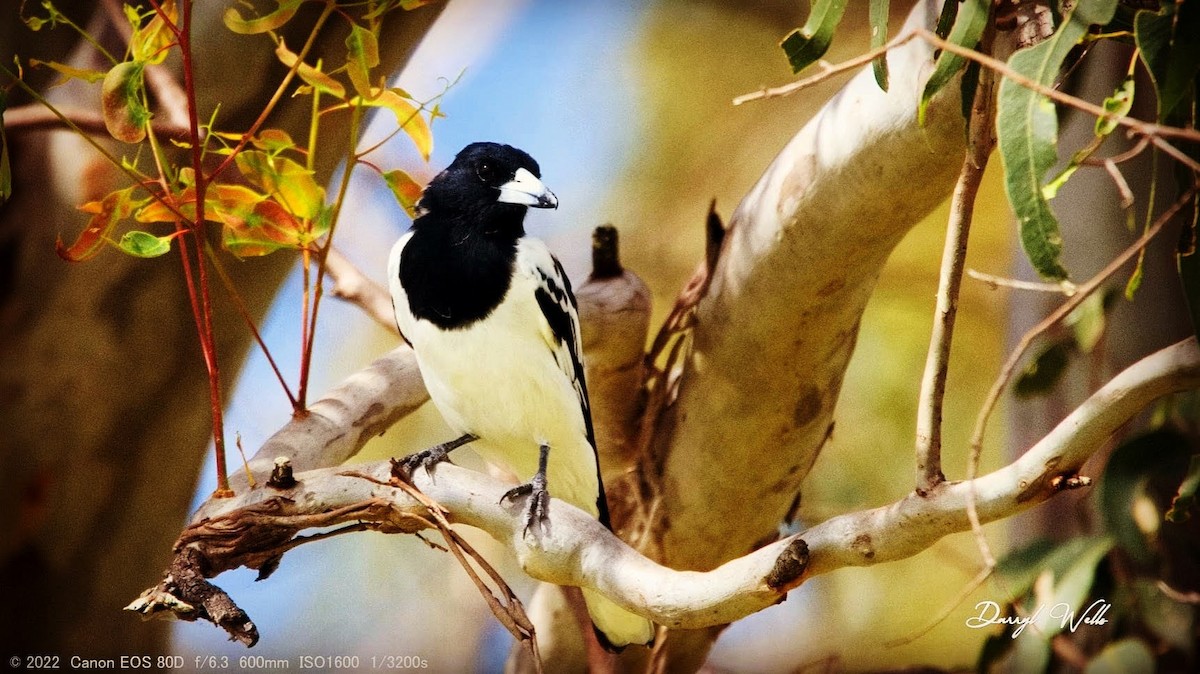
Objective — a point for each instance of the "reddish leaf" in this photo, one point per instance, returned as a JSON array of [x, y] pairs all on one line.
[[125, 116], [273, 140], [262, 229], [106, 213], [405, 189]]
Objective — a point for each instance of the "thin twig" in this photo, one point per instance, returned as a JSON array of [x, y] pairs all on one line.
[[1137, 126], [962, 208], [351, 285], [509, 611], [1110, 167], [1064, 288], [827, 71], [240, 305], [963, 593]]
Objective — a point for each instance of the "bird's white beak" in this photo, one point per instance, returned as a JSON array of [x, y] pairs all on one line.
[[525, 189]]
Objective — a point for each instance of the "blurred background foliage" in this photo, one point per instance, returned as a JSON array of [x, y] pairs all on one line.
[[626, 105]]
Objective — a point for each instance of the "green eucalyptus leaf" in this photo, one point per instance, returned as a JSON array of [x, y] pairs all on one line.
[[1027, 134], [1046, 368], [805, 45], [144, 244], [1169, 48], [1123, 494], [968, 28], [879, 33]]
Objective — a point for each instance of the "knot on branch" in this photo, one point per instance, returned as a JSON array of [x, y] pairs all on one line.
[[789, 566], [1069, 481], [281, 474]]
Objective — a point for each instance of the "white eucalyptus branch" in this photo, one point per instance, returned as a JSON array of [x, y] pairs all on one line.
[[574, 549]]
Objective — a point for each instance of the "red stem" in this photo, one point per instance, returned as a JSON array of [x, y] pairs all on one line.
[[300, 405], [207, 338]]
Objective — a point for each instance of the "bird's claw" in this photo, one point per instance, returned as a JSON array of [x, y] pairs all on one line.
[[537, 510], [426, 458]]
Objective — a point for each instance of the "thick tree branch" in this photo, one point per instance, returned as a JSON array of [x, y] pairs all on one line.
[[351, 285], [254, 528], [36, 117]]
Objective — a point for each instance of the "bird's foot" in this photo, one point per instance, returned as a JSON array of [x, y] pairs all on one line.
[[428, 458], [537, 510]]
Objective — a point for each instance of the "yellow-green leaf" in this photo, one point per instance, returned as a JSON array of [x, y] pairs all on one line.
[[144, 244], [314, 77], [362, 54], [273, 141], [405, 189], [283, 13], [69, 73], [216, 197], [291, 184], [150, 43], [408, 116], [125, 116], [1118, 104]]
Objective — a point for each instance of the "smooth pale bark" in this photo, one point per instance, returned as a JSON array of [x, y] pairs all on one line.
[[574, 549]]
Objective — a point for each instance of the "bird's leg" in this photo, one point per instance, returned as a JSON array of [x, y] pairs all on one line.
[[538, 508], [433, 455]]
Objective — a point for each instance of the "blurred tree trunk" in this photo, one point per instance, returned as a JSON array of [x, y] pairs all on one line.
[[102, 385]]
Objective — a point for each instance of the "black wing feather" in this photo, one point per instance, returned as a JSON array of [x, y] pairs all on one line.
[[558, 305]]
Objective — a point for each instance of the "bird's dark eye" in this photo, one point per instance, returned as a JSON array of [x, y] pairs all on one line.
[[487, 172]]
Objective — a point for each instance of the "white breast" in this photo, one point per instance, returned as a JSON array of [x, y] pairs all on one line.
[[498, 380]]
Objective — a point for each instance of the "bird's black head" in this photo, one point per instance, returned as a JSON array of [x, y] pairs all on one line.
[[487, 182]]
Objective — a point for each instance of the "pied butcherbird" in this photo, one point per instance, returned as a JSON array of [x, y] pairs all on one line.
[[492, 319]]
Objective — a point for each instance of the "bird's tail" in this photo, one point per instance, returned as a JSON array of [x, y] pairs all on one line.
[[616, 627]]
